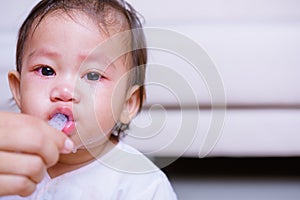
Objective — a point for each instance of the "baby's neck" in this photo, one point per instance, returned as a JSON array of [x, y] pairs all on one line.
[[83, 157]]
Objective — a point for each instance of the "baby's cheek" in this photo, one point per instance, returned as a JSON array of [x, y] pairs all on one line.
[[34, 98], [117, 103], [33, 106]]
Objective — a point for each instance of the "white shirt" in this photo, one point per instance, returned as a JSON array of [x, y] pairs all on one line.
[[121, 174]]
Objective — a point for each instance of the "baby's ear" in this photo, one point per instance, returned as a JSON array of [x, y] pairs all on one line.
[[14, 84], [132, 105]]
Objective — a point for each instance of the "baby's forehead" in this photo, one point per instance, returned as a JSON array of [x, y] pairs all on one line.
[[110, 24], [109, 20]]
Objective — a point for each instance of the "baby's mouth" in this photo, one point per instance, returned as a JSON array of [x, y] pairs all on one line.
[[58, 121], [62, 123]]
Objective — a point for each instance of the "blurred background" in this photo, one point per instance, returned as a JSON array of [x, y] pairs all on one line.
[[254, 46]]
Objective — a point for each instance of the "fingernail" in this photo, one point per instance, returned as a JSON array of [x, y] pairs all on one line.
[[68, 147]]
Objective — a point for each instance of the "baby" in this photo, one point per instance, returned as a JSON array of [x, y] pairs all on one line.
[[81, 68]]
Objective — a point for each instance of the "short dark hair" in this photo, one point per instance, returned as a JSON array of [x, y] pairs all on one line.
[[95, 9]]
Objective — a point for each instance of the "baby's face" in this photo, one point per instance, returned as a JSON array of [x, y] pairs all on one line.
[[66, 70]]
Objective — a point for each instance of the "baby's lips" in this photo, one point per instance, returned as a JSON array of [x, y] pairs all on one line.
[[69, 128]]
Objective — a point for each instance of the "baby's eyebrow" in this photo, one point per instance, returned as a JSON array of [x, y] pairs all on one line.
[[43, 52], [96, 57], [84, 57], [106, 67], [47, 52]]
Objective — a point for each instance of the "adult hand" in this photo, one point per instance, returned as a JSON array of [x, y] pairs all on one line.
[[28, 146]]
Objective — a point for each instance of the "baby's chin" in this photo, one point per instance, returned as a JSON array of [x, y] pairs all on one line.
[[90, 142]]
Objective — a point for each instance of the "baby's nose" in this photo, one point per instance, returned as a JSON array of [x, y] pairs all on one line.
[[64, 93]]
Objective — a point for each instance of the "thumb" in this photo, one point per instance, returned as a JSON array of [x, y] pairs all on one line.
[[68, 146]]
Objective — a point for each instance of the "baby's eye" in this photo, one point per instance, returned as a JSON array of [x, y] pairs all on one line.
[[92, 76], [46, 71]]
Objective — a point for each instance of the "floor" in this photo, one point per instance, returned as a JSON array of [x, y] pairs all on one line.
[[236, 189], [235, 178]]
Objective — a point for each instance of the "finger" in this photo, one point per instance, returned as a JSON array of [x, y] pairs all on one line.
[[26, 140], [31, 166], [65, 145], [16, 185], [36, 137]]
